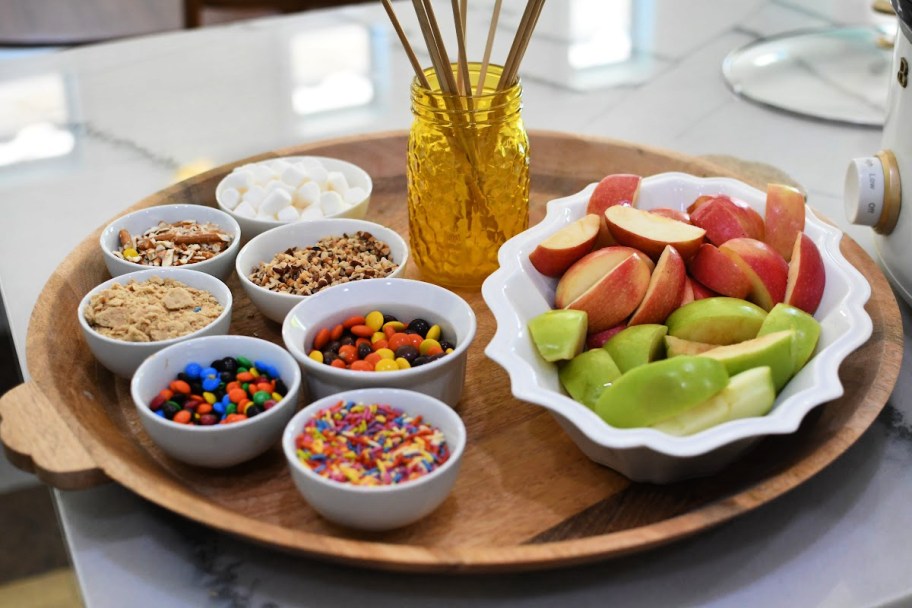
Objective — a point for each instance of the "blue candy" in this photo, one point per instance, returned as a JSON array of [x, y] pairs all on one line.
[[193, 370], [210, 383]]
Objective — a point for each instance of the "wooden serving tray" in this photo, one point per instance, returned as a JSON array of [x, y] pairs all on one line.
[[526, 497]]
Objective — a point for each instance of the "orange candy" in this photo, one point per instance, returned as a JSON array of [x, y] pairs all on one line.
[[338, 363], [322, 339], [362, 331], [337, 331], [362, 365], [179, 386], [182, 417], [397, 340], [245, 377], [348, 353], [379, 344], [237, 395], [352, 321]]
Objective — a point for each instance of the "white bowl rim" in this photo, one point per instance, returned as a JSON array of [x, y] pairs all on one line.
[[267, 222], [784, 419], [232, 224], [145, 412], [356, 225], [344, 374], [140, 276], [296, 425]]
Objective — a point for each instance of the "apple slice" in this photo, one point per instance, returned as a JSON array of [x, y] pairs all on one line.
[[716, 321], [766, 270], [558, 334], [665, 291], [637, 345], [611, 300], [586, 375], [721, 220], [719, 272], [615, 189], [675, 347], [806, 275], [807, 331], [701, 291], [699, 202], [674, 214], [656, 391], [771, 350], [589, 270], [559, 251], [688, 295], [748, 394], [651, 233], [598, 339], [784, 217]]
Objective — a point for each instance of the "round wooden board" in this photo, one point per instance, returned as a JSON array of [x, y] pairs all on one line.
[[526, 497]]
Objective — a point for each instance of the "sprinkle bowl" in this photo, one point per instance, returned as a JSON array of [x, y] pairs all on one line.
[[137, 222], [287, 173], [386, 506], [219, 445], [123, 357], [262, 249], [404, 298]]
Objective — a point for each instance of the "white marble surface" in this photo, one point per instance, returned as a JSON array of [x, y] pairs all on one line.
[[143, 112]]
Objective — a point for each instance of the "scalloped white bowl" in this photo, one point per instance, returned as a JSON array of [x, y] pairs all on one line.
[[516, 292]]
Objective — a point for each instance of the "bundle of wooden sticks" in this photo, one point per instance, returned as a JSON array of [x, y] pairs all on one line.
[[459, 84]]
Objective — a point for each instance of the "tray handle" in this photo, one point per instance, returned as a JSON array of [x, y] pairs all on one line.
[[37, 440]]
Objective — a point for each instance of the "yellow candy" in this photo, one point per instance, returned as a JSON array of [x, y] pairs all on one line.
[[403, 363], [386, 353], [209, 397], [427, 345], [433, 333], [374, 320], [129, 252], [316, 356], [378, 336], [386, 365], [396, 325]]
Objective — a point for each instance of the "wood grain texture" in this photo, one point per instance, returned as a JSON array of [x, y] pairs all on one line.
[[526, 497]]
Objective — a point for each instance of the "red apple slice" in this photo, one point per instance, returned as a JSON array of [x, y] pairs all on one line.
[[611, 299], [665, 290], [806, 276], [675, 214], [615, 189], [721, 219], [701, 291], [784, 218], [766, 270], [719, 272], [688, 295], [589, 270], [559, 251], [598, 339], [651, 233]]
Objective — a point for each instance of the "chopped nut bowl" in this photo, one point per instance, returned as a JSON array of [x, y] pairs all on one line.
[[281, 267], [187, 236]]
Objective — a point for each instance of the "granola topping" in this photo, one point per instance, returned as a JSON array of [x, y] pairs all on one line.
[[156, 309], [334, 260], [173, 244]]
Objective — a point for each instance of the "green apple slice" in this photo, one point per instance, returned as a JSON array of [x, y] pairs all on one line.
[[653, 392], [716, 321], [678, 346], [559, 334], [807, 331], [586, 375], [772, 350], [637, 345], [748, 394]]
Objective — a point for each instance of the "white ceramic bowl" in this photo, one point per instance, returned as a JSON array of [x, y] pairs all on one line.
[[516, 292], [354, 175], [263, 248], [123, 357], [379, 507], [139, 221], [220, 445], [403, 298]]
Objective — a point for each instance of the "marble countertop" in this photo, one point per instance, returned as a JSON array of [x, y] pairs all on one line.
[[113, 123]]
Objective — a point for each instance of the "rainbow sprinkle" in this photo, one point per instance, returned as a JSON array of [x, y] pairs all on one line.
[[370, 445]]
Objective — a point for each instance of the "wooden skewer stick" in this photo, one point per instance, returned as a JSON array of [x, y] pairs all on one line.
[[505, 80], [433, 49], [527, 36], [488, 46], [463, 81], [441, 48], [413, 59]]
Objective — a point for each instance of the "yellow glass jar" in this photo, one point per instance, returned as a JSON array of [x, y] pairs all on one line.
[[468, 178]]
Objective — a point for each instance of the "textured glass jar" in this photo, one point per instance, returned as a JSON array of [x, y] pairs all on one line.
[[468, 178]]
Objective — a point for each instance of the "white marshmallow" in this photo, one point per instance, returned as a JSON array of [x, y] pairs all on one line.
[[261, 174], [230, 198], [287, 214], [332, 203], [318, 174], [336, 181], [308, 163], [307, 193], [274, 202], [245, 209], [294, 176], [354, 195], [313, 212], [276, 185], [255, 195], [278, 166], [240, 179]]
